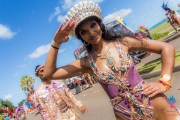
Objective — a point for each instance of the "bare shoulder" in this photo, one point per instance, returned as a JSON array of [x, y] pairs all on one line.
[[144, 44]]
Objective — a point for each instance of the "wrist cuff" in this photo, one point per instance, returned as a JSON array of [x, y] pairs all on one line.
[[55, 44]]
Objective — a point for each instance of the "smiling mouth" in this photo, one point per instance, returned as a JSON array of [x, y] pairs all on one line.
[[94, 38]]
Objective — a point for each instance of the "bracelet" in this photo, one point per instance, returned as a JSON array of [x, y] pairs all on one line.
[[54, 47], [168, 86], [80, 105], [55, 44], [165, 80]]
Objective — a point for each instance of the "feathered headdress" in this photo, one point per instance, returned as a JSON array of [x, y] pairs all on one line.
[[165, 6]]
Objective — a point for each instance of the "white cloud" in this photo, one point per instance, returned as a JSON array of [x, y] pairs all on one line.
[[15, 74], [7, 97], [69, 3], [5, 32], [123, 13], [57, 12], [60, 18], [39, 51]]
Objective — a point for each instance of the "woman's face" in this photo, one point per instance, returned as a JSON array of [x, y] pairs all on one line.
[[90, 31], [40, 72]]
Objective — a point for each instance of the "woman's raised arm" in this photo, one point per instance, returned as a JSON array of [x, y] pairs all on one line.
[[73, 69]]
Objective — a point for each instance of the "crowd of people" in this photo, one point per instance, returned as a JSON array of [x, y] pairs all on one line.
[[83, 82], [17, 113]]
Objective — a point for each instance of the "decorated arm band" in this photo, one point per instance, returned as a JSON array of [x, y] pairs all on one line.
[[55, 44], [165, 80], [80, 105]]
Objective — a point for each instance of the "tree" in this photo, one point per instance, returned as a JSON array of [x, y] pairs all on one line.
[[8, 103], [21, 102], [26, 84]]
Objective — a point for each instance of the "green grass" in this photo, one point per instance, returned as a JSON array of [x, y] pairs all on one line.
[[164, 27], [155, 65]]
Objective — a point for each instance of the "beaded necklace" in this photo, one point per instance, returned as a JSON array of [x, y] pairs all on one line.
[[110, 62], [118, 72]]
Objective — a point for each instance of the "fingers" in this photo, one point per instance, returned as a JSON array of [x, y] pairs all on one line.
[[61, 26], [150, 89], [147, 88], [84, 110], [69, 25], [154, 93]]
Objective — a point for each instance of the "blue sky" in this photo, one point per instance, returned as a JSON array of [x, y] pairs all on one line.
[[28, 26]]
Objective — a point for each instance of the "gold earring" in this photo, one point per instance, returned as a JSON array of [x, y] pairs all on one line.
[[86, 44]]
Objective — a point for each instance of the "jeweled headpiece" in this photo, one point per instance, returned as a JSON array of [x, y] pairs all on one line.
[[81, 11], [165, 6]]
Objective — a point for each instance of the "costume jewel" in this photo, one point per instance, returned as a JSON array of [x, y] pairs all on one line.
[[81, 11], [110, 62]]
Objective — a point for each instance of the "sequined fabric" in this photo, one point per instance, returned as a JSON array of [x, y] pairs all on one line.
[[69, 115], [123, 85], [47, 103]]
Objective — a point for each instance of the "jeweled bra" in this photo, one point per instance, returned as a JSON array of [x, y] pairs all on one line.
[[117, 76]]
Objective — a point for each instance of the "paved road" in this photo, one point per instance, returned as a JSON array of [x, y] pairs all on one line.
[[98, 105]]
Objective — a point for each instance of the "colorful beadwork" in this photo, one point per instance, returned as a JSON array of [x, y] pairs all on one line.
[[138, 103]]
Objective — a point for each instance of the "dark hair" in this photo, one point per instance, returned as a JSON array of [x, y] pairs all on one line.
[[108, 33], [37, 67]]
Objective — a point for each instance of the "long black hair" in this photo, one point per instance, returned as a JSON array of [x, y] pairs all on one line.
[[108, 34]]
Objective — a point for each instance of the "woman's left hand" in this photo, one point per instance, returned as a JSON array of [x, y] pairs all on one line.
[[153, 89], [83, 109]]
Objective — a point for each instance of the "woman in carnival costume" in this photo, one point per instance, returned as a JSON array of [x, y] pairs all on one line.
[[20, 113], [108, 58], [173, 16]]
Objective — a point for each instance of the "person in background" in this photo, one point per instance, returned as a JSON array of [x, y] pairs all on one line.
[[173, 16], [88, 78], [77, 84], [84, 83], [54, 99]]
